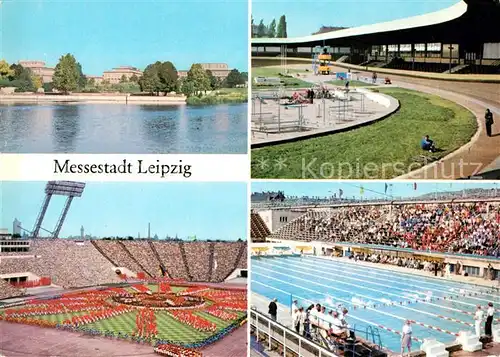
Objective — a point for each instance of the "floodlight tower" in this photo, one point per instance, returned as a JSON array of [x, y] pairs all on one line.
[[69, 189]]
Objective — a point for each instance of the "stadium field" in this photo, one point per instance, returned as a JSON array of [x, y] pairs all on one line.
[[190, 316], [376, 298]]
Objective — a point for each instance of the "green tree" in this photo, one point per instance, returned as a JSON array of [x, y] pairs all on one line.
[[123, 79], [281, 32], [187, 87], [82, 80], [159, 77], [214, 81], [168, 77], [150, 80], [67, 74], [234, 78], [261, 29], [134, 78], [21, 78], [37, 81], [16, 71], [272, 29], [199, 77], [5, 70]]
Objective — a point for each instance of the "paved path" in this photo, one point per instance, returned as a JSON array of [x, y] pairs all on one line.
[[17, 340], [233, 345]]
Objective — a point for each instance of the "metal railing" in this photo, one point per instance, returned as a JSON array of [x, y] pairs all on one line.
[[290, 340]]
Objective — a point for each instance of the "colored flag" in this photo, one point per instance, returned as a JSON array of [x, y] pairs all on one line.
[[361, 190], [386, 186], [341, 192], [415, 186]]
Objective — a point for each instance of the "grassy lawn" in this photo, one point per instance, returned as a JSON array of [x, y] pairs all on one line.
[[385, 149], [59, 318], [176, 289], [168, 327], [289, 82], [353, 83], [221, 96]]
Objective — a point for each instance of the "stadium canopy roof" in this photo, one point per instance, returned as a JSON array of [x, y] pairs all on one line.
[[465, 18]]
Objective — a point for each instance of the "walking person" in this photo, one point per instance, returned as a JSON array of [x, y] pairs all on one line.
[[489, 319], [488, 118], [478, 320], [406, 338], [273, 309]]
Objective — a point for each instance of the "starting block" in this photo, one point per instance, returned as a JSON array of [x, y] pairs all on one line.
[[469, 341], [433, 348]]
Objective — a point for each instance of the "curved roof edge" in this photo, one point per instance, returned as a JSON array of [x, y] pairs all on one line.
[[433, 18]]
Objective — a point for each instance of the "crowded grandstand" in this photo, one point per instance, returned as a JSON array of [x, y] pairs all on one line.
[[356, 275], [96, 262]]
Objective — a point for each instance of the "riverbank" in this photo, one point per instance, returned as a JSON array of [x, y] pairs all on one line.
[[221, 96], [92, 98]]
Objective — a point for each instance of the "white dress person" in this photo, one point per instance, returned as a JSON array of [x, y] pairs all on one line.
[[478, 320], [406, 338]]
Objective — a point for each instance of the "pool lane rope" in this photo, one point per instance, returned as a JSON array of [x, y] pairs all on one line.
[[333, 308], [402, 302], [349, 303], [471, 295], [402, 275]]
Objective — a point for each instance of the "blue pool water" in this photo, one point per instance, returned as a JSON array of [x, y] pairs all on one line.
[[390, 297]]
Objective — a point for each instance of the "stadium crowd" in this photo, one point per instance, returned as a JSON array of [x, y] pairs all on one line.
[[73, 263], [433, 266], [468, 228]]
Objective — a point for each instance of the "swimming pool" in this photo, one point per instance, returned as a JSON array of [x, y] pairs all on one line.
[[375, 297]]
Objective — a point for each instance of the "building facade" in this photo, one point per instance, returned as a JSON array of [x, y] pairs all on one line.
[[219, 70], [16, 227], [96, 79], [115, 75], [39, 69]]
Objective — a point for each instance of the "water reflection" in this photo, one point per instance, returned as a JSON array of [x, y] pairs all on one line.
[[114, 128], [65, 127]]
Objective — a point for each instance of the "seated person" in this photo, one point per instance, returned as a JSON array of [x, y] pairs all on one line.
[[387, 80], [338, 329], [427, 144]]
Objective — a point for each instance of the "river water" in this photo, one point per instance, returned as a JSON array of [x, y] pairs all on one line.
[[119, 128]]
